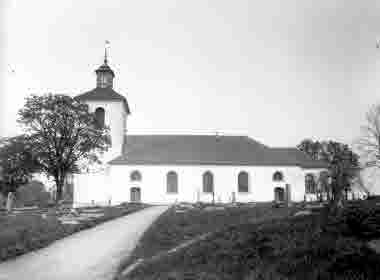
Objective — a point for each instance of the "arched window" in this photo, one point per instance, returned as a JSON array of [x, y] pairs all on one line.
[[243, 182], [208, 182], [310, 183], [99, 117], [277, 176], [135, 176], [172, 182]]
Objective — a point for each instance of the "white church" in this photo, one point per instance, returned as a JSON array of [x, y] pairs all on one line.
[[164, 169]]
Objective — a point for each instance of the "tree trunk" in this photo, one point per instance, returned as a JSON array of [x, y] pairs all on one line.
[[59, 182]]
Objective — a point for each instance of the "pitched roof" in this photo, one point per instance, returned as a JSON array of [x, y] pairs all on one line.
[[103, 94], [207, 150]]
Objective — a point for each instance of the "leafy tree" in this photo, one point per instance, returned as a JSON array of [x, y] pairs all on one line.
[[16, 162], [342, 163], [63, 135], [323, 182]]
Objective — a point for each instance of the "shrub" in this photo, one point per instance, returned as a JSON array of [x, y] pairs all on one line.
[[359, 220], [33, 194]]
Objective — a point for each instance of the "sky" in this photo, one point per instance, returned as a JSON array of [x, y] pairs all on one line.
[[277, 71]]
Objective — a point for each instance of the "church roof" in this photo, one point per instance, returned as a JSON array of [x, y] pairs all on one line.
[[103, 94], [208, 150]]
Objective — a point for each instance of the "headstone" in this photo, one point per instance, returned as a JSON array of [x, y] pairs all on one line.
[[10, 201], [233, 197], [303, 213], [288, 195], [2, 201]]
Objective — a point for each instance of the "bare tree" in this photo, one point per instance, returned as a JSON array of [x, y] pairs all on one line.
[[369, 142]]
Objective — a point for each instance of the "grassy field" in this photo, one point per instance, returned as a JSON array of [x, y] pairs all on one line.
[[173, 228], [282, 247], [22, 233]]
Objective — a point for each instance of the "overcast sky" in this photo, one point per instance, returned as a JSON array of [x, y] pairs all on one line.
[[278, 71]]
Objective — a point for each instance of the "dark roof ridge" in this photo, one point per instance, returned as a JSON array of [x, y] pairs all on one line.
[[198, 149], [99, 93]]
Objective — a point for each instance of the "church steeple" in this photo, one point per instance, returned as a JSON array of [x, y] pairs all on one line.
[[104, 74]]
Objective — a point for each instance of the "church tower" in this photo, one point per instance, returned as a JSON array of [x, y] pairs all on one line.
[[104, 74], [111, 108]]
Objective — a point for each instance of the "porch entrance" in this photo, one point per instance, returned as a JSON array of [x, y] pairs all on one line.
[[279, 194], [135, 194]]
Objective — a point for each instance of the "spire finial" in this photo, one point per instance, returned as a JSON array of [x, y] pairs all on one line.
[[105, 51]]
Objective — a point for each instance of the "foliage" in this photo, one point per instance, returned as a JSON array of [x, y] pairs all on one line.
[[62, 134], [17, 163], [32, 194], [343, 163], [358, 220]]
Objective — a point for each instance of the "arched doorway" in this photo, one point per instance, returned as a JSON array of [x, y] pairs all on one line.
[[279, 194], [135, 194]]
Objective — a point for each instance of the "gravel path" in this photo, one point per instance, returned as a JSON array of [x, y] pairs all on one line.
[[90, 254]]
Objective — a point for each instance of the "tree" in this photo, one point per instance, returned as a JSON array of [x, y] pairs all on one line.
[[17, 163], [62, 134], [369, 143], [342, 164], [324, 188]]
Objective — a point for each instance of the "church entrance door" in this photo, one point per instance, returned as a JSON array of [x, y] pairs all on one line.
[[279, 194], [135, 194]]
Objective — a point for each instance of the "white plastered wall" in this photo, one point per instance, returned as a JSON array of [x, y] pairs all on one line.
[[116, 119], [113, 185]]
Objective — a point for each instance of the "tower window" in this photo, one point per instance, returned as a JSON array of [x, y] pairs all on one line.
[[99, 117]]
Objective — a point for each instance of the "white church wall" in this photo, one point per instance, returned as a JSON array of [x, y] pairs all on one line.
[[115, 185], [92, 188], [115, 118]]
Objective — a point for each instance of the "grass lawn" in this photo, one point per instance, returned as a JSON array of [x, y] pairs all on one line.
[[22, 233], [282, 247], [173, 228]]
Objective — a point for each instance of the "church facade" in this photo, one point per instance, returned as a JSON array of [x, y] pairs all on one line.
[[165, 169]]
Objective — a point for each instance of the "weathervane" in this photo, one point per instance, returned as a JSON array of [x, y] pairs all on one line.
[[106, 45]]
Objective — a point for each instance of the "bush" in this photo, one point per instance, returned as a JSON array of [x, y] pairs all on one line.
[[359, 220], [32, 194]]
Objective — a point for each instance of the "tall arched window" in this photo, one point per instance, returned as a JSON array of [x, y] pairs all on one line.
[[136, 176], [243, 182], [172, 182], [310, 183], [208, 182], [99, 116], [278, 176]]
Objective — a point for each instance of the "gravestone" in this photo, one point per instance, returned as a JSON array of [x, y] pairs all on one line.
[[233, 197], [288, 195], [3, 201], [10, 201]]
